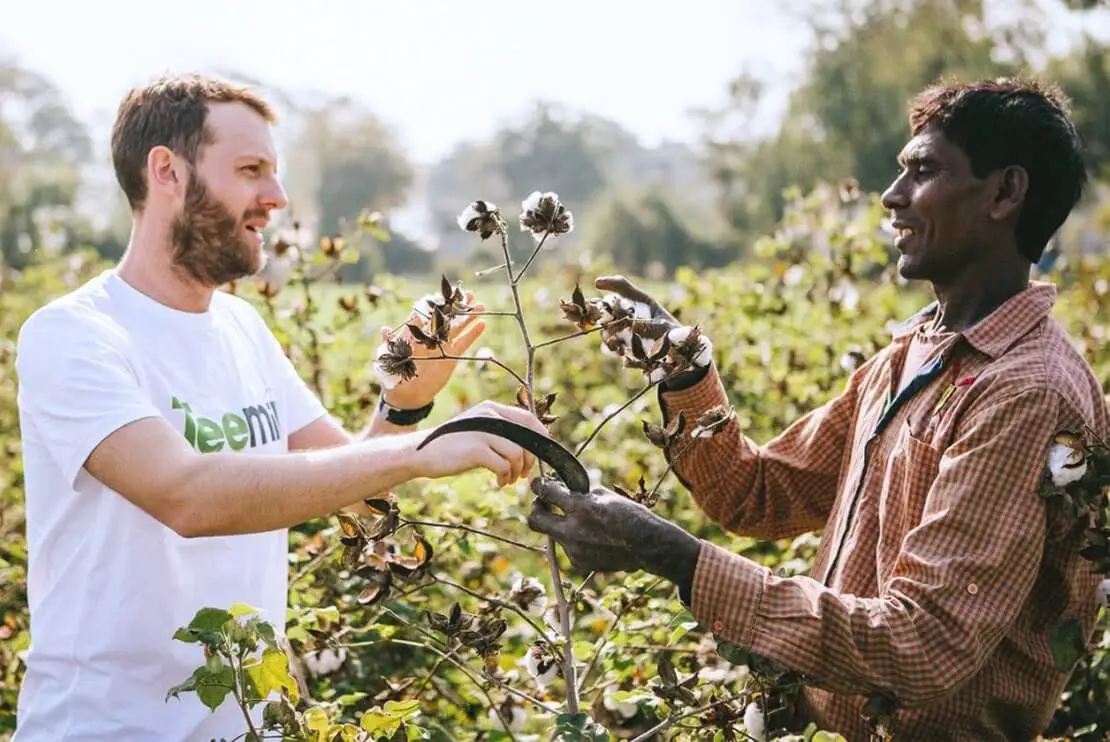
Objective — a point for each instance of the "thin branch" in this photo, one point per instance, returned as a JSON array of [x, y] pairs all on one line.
[[573, 335], [314, 563], [532, 257], [494, 361], [672, 720], [471, 529], [670, 466], [563, 609], [613, 414]]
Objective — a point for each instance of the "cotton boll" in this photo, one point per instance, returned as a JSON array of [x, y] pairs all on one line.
[[541, 668], [516, 719], [705, 355], [325, 661], [678, 334], [627, 709], [1066, 464], [753, 722]]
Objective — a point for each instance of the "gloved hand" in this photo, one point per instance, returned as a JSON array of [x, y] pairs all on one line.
[[690, 351]]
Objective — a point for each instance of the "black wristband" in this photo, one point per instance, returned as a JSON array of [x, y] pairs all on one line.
[[397, 416]]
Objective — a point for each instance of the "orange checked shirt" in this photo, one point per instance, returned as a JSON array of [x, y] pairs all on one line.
[[941, 570]]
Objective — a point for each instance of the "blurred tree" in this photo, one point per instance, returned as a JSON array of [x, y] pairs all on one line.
[[649, 231], [848, 119], [42, 148], [357, 163]]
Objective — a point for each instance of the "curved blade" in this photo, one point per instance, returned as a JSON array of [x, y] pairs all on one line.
[[551, 452]]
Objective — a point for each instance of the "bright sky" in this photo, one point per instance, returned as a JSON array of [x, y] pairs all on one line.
[[437, 70]]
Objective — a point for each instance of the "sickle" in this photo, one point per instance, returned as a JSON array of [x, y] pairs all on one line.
[[550, 451]]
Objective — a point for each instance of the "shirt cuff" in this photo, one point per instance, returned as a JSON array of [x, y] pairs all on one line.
[[727, 594], [694, 400]]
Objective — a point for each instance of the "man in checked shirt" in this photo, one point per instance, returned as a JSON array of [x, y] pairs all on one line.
[[941, 572]]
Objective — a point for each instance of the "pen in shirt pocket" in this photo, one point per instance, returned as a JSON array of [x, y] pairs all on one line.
[[938, 409]]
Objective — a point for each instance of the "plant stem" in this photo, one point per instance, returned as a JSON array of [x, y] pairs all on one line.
[[314, 563], [611, 415], [672, 720], [236, 669], [471, 529], [444, 357], [670, 466], [563, 609], [580, 333], [530, 259]]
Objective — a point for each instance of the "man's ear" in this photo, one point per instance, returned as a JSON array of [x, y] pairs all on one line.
[[1011, 184], [165, 171]]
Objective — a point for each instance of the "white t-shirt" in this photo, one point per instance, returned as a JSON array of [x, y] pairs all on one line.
[[107, 583]]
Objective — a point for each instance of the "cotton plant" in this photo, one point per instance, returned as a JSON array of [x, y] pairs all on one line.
[[1075, 478], [387, 556]]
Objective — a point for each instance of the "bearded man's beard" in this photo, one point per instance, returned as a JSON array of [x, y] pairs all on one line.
[[207, 243]]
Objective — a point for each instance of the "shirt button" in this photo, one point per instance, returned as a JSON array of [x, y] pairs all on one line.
[[973, 589], [718, 625]]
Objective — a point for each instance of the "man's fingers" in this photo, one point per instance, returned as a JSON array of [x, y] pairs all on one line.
[[555, 492], [624, 287], [511, 453], [520, 416], [544, 521], [467, 336]]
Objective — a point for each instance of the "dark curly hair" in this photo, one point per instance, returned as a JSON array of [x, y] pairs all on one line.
[[1013, 121]]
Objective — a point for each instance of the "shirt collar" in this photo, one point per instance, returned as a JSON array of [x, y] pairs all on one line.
[[994, 334]]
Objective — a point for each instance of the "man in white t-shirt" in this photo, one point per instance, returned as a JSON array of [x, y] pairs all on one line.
[[169, 443]]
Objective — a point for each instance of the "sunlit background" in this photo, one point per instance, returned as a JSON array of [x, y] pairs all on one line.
[[693, 115]]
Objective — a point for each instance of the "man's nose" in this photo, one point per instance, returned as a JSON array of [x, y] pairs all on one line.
[[273, 197], [895, 196]]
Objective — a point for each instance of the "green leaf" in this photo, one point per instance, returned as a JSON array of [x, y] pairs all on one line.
[[210, 619], [579, 728], [316, 720], [271, 673], [1068, 644], [348, 699], [823, 736], [238, 610], [681, 630], [379, 724], [386, 721], [213, 687]]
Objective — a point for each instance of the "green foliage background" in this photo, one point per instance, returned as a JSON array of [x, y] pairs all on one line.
[[818, 288]]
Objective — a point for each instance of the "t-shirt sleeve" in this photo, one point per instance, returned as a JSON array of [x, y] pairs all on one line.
[[75, 386]]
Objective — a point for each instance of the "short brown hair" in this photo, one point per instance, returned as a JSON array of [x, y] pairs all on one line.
[[169, 111]]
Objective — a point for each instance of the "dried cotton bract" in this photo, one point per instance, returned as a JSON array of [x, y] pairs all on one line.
[[394, 363], [543, 213]]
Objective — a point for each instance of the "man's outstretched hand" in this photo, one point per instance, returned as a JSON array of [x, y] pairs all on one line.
[[623, 287], [607, 532]]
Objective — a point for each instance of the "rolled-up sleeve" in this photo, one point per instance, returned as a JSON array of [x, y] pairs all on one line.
[[778, 490], [960, 579]]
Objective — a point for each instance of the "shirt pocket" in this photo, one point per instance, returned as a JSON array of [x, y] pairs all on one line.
[[911, 472], [921, 462]]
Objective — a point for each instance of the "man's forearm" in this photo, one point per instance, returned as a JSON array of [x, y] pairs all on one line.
[[223, 494]]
